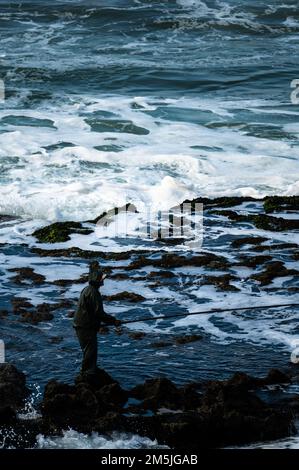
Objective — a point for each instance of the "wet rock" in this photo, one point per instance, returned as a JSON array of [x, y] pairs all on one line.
[[281, 203], [161, 344], [113, 396], [56, 339], [273, 270], [25, 275], [275, 224], [164, 274], [45, 307], [36, 317], [137, 335], [3, 313], [221, 282], [223, 413], [96, 381], [7, 414], [110, 422], [171, 260], [60, 232], [129, 296], [20, 305], [190, 397], [226, 201], [254, 261], [238, 242], [69, 282], [107, 217], [187, 339], [275, 376], [261, 221], [67, 404], [275, 247], [157, 393], [171, 240], [13, 390]]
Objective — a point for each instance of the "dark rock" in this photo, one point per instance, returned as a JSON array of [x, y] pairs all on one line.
[[107, 217], [275, 247], [13, 390], [96, 381], [275, 224], [3, 313], [161, 344], [7, 415], [221, 282], [164, 274], [113, 396], [225, 201], [20, 305], [27, 274], [223, 413], [261, 221], [129, 296], [69, 282], [273, 270], [60, 232], [276, 376], [67, 404], [56, 339], [110, 422], [190, 397], [248, 241], [171, 260], [157, 393], [137, 335], [254, 261], [36, 317], [281, 203], [187, 339]]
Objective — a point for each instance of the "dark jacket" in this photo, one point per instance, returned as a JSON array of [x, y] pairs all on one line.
[[90, 312]]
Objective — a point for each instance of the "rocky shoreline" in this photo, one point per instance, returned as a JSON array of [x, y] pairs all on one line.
[[209, 414], [200, 414]]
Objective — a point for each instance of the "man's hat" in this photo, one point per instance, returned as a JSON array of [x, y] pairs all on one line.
[[95, 272]]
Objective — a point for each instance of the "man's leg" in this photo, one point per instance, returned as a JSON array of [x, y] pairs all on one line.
[[89, 345]]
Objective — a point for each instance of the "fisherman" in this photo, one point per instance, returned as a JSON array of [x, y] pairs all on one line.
[[89, 317]]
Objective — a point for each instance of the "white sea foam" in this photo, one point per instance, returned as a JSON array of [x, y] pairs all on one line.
[[75, 440], [176, 161]]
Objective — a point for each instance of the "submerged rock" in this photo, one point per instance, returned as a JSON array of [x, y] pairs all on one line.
[[187, 339]]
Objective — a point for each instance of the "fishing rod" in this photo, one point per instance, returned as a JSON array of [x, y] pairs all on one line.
[[206, 312]]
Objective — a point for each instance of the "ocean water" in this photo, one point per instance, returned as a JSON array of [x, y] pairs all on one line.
[[148, 102], [145, 101]]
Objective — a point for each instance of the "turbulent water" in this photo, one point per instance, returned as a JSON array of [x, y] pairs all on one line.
[[149, 102], [146, 101]]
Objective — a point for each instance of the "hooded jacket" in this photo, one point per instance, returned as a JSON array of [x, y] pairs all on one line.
[[90, 312]]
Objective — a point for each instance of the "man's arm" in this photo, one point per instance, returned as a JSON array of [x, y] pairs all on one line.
[[100, 314]]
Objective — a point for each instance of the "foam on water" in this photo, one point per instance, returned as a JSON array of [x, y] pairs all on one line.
[[174, 162], [75, 440]]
